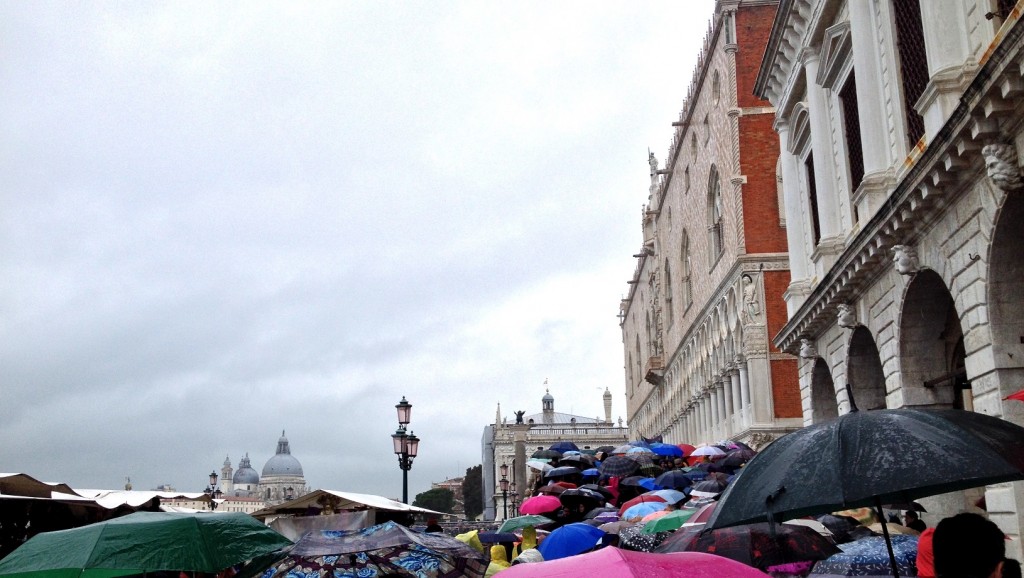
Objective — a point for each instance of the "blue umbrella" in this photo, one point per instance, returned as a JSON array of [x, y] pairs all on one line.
[[642, 509], [570, 540], [497, 537], [564, 446], [667, 450], [648, 484], [670, 496], [592, 472], [869, 557]]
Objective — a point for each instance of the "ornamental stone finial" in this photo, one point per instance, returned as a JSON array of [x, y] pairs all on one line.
[[1002, 167], [905, 259]]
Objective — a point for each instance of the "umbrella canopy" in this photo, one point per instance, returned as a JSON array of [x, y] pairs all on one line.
[[574, 498], [497, 537], [564, 446], [639, 500], [539, 465], [619, 563], [551, 489], [865, 458], [668, 450], [641, 510], [674, 479], [562, 471], [623, 449], [670, 521], [710, 451], [540, 505], [383, 550], [547, 454], [144, 542], [670, 496], [614, 527], [646, 463], [736, 458], [618, 466], [570, 540], [1019, 396], [591, 473], [633, 538], [869, 557], [687, 448], [600, 489], [640, 450], [513, 524], [754, 544]]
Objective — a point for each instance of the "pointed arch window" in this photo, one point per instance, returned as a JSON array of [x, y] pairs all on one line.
[[687, 283], [716, 239], [668, 292]]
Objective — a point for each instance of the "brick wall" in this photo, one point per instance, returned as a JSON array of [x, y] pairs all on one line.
[[753, 26], [775, 284], [786, 388], [759, 154]]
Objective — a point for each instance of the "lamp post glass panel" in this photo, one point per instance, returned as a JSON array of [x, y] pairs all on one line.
[[213, 491], [406, 445], [503, 483]]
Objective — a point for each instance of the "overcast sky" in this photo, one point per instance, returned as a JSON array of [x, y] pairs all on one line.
[[223, 220]]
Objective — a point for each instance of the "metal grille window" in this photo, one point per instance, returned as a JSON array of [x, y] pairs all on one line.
[[851, 120], [913, 62], [812, 197]]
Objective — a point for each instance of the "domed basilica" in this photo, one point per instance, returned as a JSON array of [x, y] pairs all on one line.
[[281, 480]]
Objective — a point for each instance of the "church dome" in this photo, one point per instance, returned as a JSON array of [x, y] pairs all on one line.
[[547, 396], [283, 463], [245, 473]]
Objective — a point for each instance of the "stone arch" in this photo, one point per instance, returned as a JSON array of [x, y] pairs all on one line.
[[823, 393], [932, 368], [1006, 295], [864, 370]]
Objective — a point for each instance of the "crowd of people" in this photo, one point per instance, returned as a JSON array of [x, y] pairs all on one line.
[[623, 491]]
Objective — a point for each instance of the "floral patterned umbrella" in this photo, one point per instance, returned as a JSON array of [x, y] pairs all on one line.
[[387, 549]]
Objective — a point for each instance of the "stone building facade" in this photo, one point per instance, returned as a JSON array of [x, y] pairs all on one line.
[[706, 295], [900, 123], [513, 443]]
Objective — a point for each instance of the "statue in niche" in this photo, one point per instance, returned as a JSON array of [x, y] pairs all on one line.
[[519, 416], [751, 303], [653, 161], [905, 259], [808, 349], [1001, 165], [847, 317]]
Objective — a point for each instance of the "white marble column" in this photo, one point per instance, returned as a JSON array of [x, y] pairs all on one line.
[[744, 391], [795, 226], [723, 414], [715, 416], [737, 400], [728, 405], [867, 62], [821, 145]]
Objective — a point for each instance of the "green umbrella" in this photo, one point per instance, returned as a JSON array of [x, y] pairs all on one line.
[[671, 521], [144, 542], [513, 524]]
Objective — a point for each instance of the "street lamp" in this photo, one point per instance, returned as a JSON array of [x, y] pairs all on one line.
[[406, 445], [213, 491], [515, 504], [503, 483]]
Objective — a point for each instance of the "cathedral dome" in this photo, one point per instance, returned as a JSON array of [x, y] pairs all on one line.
[[245, 473], [283, 463]]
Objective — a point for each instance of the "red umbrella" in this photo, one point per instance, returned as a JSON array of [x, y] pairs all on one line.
[[687, 449], [639, 500], [614, 562], [540, 505], [1019, 396]]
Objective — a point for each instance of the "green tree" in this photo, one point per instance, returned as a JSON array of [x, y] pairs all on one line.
[[437, 499], [473, 492]]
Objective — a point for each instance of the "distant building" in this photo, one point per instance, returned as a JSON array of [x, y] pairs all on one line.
[[706, 296], [513, 443], [454, 485], [282, 479]]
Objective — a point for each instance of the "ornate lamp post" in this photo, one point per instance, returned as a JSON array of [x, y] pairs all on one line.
[[213, 491], [406, 445], [503, 483], [515, 504]]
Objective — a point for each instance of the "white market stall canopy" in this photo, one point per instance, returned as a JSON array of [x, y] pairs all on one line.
[[319, 499]]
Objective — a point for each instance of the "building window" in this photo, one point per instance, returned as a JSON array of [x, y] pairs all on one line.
[[715, 234], [707, 130], [851, 125], [668, 292], [812, 197], [913, 62], [693, 144], [687, 284], [686, 179], [716, 88]]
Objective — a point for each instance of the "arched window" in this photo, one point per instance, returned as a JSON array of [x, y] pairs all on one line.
[[668, 292], [687, 289], [715, 237], [639, 368]]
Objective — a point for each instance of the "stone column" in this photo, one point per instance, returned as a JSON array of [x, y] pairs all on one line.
[[867, 63], [715, 416], [821, 145], [723, 413], [796, 225], [520, 474], [744, 390], [737, 400], [728, 404]]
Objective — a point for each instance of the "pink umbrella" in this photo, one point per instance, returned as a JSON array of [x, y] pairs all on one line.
[[613, 562], [540, 505], [654, 515]]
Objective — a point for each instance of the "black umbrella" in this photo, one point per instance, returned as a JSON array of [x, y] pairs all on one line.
[[736, 458], [619, 466], [867, 458], [575, 497], [600, 489], [674, 480], [564, 446], [546, 454], [563, 471]]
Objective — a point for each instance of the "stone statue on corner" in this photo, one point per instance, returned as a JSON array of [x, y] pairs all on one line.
[[519, 416], [1001, 165]]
